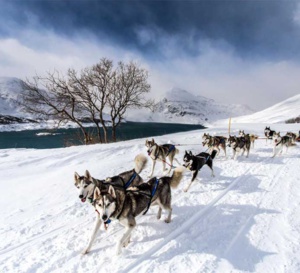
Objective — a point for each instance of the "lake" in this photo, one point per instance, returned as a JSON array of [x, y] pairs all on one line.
[[45, 139]]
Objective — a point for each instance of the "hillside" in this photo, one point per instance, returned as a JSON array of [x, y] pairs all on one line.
[[278, 113], [10, 90]]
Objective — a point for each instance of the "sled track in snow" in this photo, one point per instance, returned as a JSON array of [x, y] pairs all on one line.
[[36, 239], [193, 219]]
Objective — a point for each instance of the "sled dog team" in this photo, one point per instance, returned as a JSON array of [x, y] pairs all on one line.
[[125, 196]]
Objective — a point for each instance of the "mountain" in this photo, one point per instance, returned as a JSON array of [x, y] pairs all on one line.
[[279, 113], [10, 90], [180, 106]]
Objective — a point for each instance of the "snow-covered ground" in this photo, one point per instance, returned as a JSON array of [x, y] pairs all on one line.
[[278, 113], [246, 219]]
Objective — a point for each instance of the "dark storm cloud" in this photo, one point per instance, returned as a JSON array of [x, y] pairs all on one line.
[[251, 28]]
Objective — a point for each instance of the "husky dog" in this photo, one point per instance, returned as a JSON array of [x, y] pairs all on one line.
[[195, 162], [115, 205], [239, 143], [87, 185], [269, 134], [292, 136], [214, 142], [252, 137], [161, 152], [280, 141]]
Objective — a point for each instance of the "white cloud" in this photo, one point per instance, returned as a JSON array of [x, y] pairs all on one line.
[[215, 73]]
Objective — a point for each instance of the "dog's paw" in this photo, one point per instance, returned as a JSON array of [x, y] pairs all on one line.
[[167, 220], [185, 190], [85, 251], [125, 244], [118, 252]]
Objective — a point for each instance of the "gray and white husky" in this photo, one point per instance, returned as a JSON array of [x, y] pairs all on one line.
[[214, 143], [87, 184], [161, 152], [239, 144], [292, 136], [279, 141], [126, 206]]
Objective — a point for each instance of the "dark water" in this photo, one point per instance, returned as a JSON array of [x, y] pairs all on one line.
[[67, 137]]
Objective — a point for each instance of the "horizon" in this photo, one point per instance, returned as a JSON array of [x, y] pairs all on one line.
[[232, 52]]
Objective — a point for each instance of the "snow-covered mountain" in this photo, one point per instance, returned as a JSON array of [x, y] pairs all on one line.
[[180, 106], [175, 106], [278, 113], [10, 90]]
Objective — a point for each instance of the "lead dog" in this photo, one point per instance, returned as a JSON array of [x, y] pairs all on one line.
[[269, 134], [195, 162], [87, 184], [161, 152], [126, 206]]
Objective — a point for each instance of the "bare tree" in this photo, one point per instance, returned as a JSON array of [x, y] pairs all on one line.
[[51, 97], [90, 93], [127, 90]]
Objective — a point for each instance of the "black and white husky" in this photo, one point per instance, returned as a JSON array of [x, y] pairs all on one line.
[[269, 133], [252, 137], [87, 184], [161, 152], [194, 163], [279, 142], [239, 144], [126, 206]]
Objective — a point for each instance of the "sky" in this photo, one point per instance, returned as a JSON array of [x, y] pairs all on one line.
[[244, 52]]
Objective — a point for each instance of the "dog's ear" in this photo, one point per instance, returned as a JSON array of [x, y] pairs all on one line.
[[111, 191], [191, 153], [97, 193], [88, 176], [76, 176], [152, 140]]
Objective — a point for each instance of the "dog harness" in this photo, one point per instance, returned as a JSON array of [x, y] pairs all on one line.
[[130, 180], [172, 147], [152, 194]]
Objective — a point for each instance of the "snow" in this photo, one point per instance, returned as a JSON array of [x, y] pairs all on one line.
[[278, 113], [246, 219]]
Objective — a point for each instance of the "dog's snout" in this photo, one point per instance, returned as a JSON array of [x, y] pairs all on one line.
[[81, 196], [104, 217]]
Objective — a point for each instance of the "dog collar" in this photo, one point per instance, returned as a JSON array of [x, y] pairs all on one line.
[[106, 223]]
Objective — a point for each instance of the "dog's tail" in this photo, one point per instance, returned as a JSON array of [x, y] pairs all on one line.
[[213, 154], [140, 162], [176, 177]]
